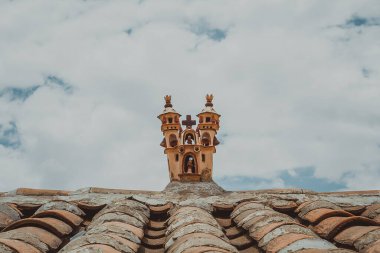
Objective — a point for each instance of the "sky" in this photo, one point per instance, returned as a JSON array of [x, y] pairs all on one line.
[[296, 82]]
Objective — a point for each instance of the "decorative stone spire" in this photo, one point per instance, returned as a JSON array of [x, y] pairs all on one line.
[[209, 99], [168, 99]]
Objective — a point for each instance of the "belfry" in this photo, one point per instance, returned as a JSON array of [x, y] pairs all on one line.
[[190, 152]]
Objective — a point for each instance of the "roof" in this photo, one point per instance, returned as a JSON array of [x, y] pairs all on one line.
[[188, 217], [169, 110], [208, 109]]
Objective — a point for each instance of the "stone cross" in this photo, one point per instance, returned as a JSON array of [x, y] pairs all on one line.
[[188, 122]]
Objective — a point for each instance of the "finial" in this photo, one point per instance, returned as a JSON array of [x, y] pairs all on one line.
[[168, 99], [209, 99]]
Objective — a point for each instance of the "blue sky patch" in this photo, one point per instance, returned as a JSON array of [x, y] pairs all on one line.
[[298, 178], [52, 80], [16, 93], [129, 31], [23, 93], [202, 28], [9, 136], [365, 72], [358, 21]]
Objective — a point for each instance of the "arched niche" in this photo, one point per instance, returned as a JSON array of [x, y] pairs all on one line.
[[189, 137], [173, 141], [189, 164], [206, 139]]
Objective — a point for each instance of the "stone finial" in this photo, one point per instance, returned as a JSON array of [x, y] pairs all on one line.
[[209, 99], [168, 99]]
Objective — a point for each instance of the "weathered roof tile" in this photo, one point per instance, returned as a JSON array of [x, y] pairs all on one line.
[[282, 241], [351, 234], [329, 227], [55, 226], [320, 214], [72, 219], [19, 246]]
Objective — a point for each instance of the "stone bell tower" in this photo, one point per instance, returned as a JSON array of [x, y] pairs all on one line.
[[190, 151]]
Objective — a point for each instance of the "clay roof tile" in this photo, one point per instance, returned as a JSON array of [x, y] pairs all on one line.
[[329, 227], [350, 235], [319, 214], [19, 246]]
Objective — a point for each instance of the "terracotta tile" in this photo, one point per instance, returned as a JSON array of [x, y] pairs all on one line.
[[154, 242], [233, 232], [325, 251], [241, 219], [223, 207], [355, 210], [127, 227], [162, 208], [117, 191], [350, 235], [282, 230], [279, 217], [249, 223], [283, 205], [143, 218], [317, 205], [132, 245], [259, 233], [329, 227], [46, 237], [374, 248], [156, 225], [203, 249], [10, 211], [242, 241], [200, 239], [143, 249], [309, 243], [180, 232], [302, 205], [5, 220], [283, 241], [19, 246], [242, 207], [98, 248], [111, 240], [40, 192], [253, 202], [109, 217], [187, 210], [226, 223], [367, 240], [72, 219], [372, 211], [89, 206], [55, 226], [61, 205], [251, 249], [28, 238], [155, 233], [319, 214]]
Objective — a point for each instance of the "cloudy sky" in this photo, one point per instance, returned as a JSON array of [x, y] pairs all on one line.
[[297, 84]]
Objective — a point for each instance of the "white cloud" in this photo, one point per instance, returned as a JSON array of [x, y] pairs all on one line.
[[287, 80]]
